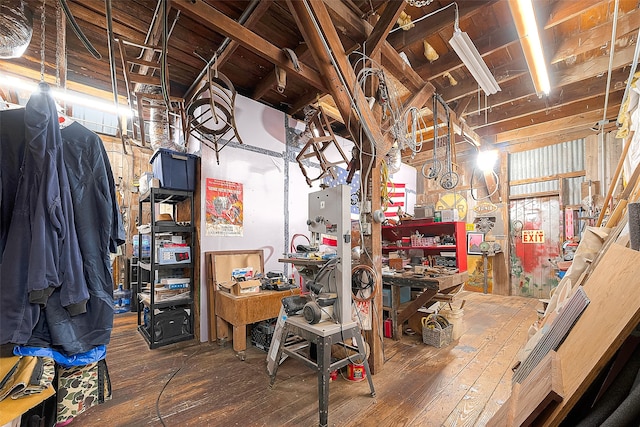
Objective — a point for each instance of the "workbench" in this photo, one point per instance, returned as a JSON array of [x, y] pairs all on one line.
[[430, 287], [235, 312]]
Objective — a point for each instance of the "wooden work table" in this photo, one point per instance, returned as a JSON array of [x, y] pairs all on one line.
[[430, 286], [235, 312]]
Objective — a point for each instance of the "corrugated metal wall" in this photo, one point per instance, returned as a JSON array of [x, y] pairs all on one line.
[[553, 159]]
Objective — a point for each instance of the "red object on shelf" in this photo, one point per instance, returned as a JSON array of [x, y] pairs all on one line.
[[457, 229]]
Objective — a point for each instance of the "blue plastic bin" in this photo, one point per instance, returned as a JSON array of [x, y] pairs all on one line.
[[176, 171]]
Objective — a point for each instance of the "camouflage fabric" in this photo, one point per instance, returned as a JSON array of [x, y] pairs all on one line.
[[80, 388], [41, 378]]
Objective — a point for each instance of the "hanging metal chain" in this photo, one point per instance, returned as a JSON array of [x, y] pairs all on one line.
[[449, 179], [418, 3], [42, 38], [58, 44], [431, 169]]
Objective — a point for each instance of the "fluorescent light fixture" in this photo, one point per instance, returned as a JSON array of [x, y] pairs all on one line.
[[486, 160], [468, 53], [66, 96], [527, 27]]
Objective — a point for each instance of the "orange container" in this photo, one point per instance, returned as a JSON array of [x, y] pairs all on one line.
[[356, 372]]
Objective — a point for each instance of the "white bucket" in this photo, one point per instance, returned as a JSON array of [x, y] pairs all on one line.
[[454, 316]]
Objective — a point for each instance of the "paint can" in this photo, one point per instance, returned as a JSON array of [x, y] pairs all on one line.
[[454, 316], [356, 372]]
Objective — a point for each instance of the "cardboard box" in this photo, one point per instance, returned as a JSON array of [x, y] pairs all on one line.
[[425, 211], [245, 287], [449, 215], [396, 263]]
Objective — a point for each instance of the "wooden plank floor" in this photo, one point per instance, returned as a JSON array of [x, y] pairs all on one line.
[[203, 384]]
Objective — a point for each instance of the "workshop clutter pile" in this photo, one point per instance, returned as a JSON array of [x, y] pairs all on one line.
[[245, 281]]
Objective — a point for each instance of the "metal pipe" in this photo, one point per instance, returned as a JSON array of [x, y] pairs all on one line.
[[112, 69], [243, 18], [611, 53]]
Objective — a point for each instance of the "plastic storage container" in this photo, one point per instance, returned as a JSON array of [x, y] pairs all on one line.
[[175, 170], [121, 300], [146, 246]]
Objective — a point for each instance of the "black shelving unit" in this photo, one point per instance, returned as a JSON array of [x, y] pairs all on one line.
[[164, 322]]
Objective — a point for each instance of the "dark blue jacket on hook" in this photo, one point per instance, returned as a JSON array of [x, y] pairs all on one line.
[[41, 252], [98, 223]]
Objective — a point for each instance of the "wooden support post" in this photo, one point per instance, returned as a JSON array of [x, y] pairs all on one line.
[[502, 282], [339, 77]]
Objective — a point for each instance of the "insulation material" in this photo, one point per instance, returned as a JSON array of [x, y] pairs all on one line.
[[630, 120], [404, 21], [429, 52], [16, 28]]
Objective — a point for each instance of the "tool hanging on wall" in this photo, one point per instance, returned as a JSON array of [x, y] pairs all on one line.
[[441, 167], [431, 169], [449, 178]]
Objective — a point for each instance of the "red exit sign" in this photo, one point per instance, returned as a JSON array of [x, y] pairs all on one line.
[[532, 236]]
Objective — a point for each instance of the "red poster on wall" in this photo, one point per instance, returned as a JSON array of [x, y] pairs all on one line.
[[224, 209]]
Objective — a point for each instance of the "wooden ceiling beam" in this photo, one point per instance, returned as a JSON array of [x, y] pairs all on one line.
[[387, 20], [33, 74], [565, 124], [360, 29], [269, 82], [250, 40], [564, 112], [568, 76], [499, 38], [392, 61], [593, 67], [595, 37], [578, 92], [92, 14], [503, 74], [336, 70], [303, 101], [564, 10], [255, 16], [400, 40], [534, 142]]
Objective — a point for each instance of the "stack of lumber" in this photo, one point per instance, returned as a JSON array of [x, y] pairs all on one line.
[[563, 359]]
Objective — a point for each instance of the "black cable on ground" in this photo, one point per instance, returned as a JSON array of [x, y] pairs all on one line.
[[169, 380]]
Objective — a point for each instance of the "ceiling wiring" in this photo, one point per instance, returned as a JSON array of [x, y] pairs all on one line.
[[78, 31]]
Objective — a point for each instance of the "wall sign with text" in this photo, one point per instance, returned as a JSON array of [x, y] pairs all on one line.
[[532, 236]]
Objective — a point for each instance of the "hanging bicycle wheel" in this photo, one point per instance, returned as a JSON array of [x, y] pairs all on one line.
[[431, 169], [449, 180]]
